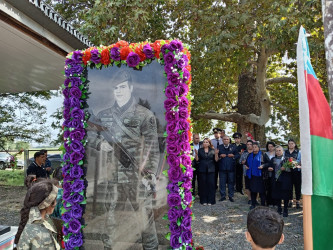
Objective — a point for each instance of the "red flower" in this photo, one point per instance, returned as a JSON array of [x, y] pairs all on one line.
[[290, 160], [63, 244], [122, 43], [124, 51], [157, 48], [86, 57], [188, 67], [139, 51], [105, 56]]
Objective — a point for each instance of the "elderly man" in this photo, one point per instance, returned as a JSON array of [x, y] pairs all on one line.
[[128, 132], [226, 156]]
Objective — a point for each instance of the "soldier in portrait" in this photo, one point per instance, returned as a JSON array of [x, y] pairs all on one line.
[[127, 131]]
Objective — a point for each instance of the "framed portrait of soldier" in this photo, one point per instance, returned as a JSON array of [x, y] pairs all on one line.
[[126, 191]]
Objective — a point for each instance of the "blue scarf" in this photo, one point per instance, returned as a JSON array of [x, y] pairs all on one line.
[[254, 162]]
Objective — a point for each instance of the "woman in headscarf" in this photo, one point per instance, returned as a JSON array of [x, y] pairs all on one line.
[[34, 231]]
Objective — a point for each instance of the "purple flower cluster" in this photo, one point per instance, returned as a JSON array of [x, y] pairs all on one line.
[[74, 134], [178, 148]]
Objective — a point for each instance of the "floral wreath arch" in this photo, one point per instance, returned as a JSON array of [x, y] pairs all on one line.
[[175, 57]]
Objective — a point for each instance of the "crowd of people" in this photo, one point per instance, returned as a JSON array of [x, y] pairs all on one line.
[[271, 174]]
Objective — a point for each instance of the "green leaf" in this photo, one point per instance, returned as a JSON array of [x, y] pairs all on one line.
[[165, 172], [80, 162], [165, 217], [179, 221], [84, 202], [167, 236]]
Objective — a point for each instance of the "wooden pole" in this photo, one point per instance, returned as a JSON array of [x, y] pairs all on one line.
[[307, 223]]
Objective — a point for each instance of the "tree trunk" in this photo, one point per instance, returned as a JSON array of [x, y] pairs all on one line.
[[327, 6], [249, 103]]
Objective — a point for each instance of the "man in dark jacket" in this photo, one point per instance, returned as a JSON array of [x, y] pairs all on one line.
[[241, 147], [226, 157], [36, 168], [196, 145]]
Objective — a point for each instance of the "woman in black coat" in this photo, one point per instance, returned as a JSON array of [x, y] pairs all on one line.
[[268, 175], [281, 183], [206, 172]]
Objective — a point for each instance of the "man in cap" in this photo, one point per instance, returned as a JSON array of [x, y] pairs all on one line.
[[216, 141], [241, 147], [129, 135]]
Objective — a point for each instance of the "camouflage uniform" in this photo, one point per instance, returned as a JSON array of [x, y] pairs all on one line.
[[38, 233], [134, 128]]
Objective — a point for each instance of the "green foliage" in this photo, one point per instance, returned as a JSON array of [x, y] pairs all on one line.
[[12, 178], [22, 117]]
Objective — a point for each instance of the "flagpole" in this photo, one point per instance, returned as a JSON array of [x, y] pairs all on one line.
[[307, 223]]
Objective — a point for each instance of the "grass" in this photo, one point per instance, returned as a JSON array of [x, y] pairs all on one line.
[[12, 178]]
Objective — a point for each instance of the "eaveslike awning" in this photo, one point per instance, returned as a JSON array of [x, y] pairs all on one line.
[[34, 41]]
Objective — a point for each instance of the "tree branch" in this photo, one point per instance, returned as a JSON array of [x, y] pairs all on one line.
[[279, 106], [281, 80]]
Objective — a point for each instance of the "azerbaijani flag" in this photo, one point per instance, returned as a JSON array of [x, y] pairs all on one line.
[[317, 153]]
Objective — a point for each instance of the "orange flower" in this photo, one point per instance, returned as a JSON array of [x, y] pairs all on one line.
[[157, 48], [139, 51], [105, 56], [86, 56], [122, 43], [189, 68], [124, 51]]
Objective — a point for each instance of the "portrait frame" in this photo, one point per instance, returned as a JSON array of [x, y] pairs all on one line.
[[175, 57]]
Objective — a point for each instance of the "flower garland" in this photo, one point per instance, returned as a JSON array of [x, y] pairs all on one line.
[[175, 59]]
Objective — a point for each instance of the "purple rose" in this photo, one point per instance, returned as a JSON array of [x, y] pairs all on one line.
[[77, 240], [184, 137], [181, 63], [147, 49], [173, 149], [66, 82], [66, 185], [66, 157], [174, 228], [66, 123], [187, 212], [171, 116], [183, 89], [186, 223], [169, 58], [183, 102], [172, 138], [186, 160], [115, 53], [170, 103], [168, 69], [68, 178], [176, 45], [74, 69], [76, 146], [186, 236], [174, 200], [172, 127], [69, 61], [74, 226], [66, 195], [76, 81], [171, 92], [76, 123], [70, 244], [185, 147], [173, 214], [187, 185], [132, 59], [175, 174], [76, 198], [173, 187], [65, 230], [183, 125], [173, 78], [77, 56], [75, 157], [66, 217], [173, 160], [186, 75], [95, 56], [174, 241], [188, 197], [76, 172], [77, 134], [75, 102], [77, 186], [76, 211], [182, 113], [67, 102], [66, 113], [65, 92], [66, 135], [189, 172], [75, 92], [164, 48]]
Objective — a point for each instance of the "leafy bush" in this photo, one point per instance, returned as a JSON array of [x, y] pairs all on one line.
[[12, 178]]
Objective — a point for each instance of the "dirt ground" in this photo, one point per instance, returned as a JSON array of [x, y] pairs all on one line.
[[221, 226]]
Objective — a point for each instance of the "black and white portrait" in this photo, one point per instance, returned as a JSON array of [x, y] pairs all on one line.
[[125, 154]]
